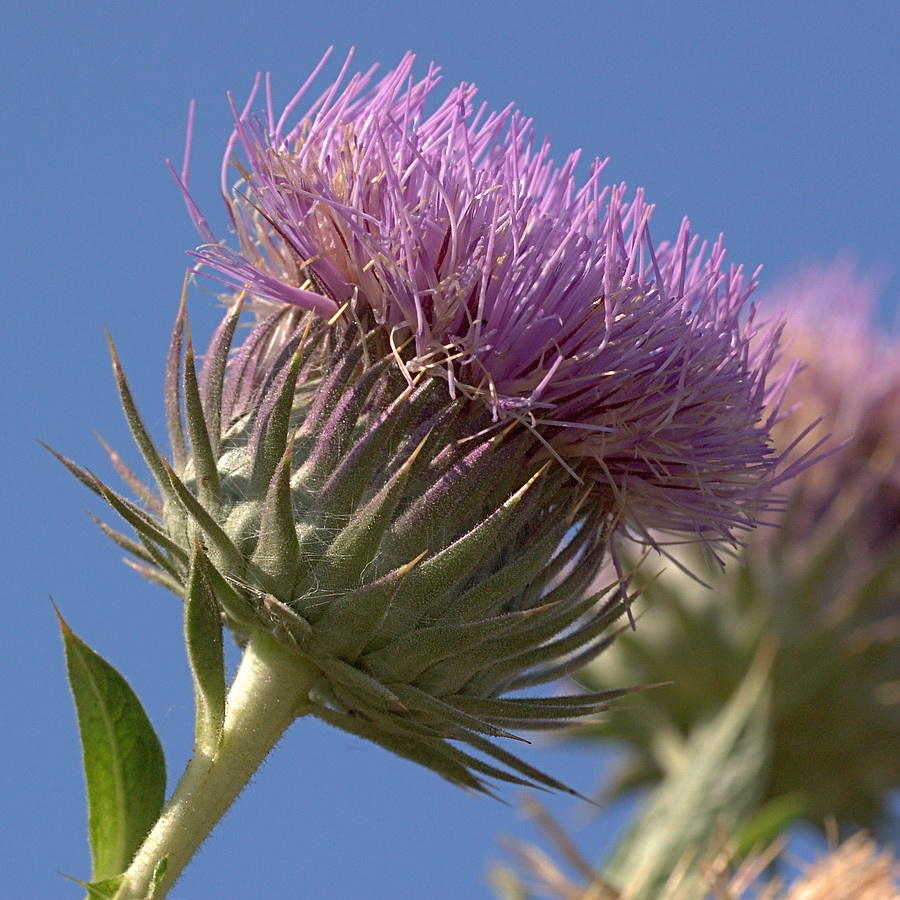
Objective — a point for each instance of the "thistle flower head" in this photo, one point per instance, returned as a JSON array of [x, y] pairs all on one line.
[[466, 375], [545, 301], [422, 564]]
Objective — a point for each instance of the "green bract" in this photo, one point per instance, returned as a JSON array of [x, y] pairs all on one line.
[[425, 561]]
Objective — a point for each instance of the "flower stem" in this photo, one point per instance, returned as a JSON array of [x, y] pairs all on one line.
[[269, 691]]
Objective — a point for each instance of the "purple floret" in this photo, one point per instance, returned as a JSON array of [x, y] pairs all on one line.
[[638, 367]]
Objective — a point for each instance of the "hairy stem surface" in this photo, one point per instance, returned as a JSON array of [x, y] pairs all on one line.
[[269, 691]]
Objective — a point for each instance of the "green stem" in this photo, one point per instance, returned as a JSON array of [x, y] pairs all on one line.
[[269, 691]]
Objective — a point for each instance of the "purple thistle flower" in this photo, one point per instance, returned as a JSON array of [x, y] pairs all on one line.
[[849, 379], [468, 375], [637, 367]]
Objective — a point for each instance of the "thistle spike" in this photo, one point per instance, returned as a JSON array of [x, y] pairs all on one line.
[[135, 548], [203, 637], [437, 575], [174, 385], [357, 545], [345, 626], [226, 553], [203, 457], [146, 527], [127, 474], [423, 702], [153, 458], [414, 652], [212, 374], [270, 434], [277, 553]]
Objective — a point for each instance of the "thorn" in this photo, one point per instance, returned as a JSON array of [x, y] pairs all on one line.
[[63, 625]]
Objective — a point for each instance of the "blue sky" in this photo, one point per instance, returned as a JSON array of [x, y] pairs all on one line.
[[774, 123]]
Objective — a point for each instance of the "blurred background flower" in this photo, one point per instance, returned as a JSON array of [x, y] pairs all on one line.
[[823, 587]]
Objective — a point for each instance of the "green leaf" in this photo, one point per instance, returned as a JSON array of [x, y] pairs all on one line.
[[123, 759]]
